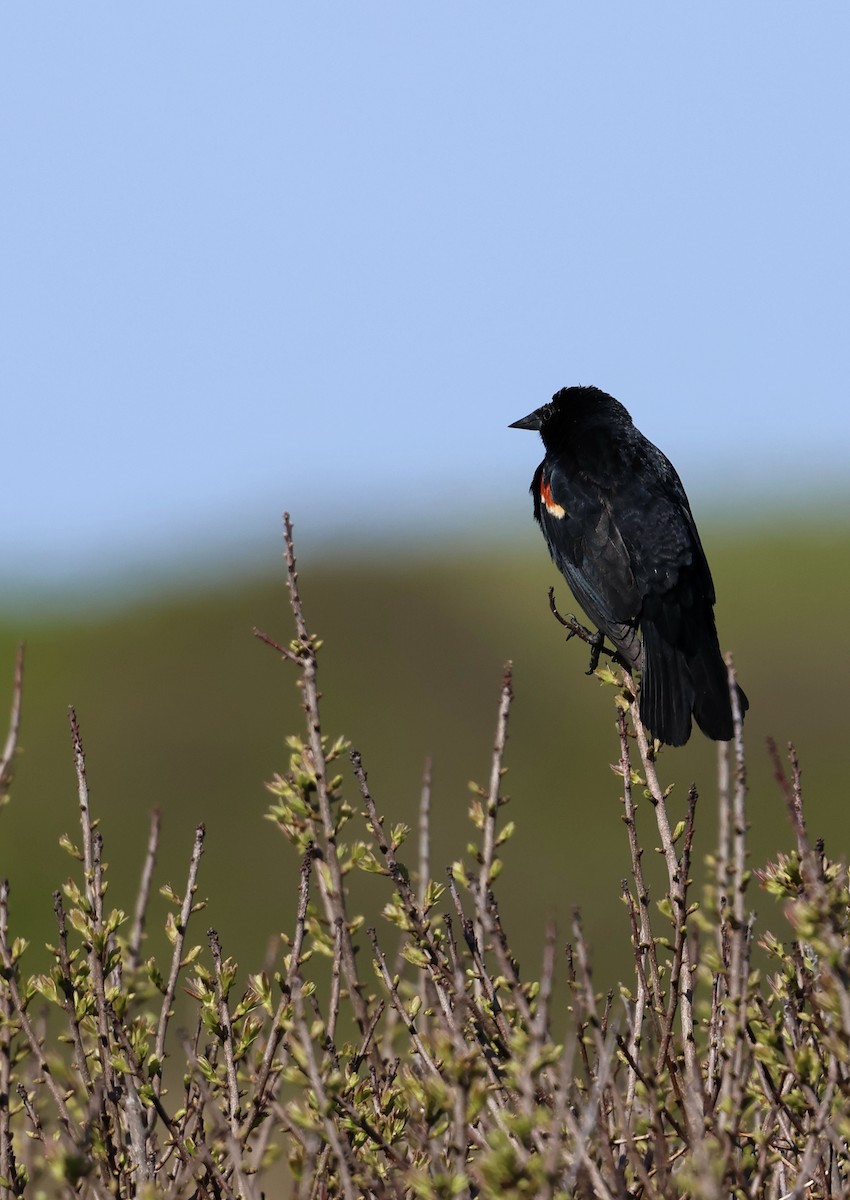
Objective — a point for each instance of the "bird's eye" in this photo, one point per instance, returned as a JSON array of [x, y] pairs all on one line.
[[546, 412]]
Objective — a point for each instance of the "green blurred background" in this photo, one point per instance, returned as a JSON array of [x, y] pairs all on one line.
[[182, 709]]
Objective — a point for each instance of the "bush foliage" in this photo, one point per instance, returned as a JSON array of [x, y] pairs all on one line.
[[414, 1060]]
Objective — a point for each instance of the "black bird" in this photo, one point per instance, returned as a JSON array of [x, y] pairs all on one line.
[[619, 527]]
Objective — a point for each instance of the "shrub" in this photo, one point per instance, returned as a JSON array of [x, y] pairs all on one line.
[[415, 1061]]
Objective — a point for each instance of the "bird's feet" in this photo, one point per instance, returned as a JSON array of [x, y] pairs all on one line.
[[596, 644], [596, 641]]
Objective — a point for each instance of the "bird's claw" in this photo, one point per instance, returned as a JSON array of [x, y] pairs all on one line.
[[595, 641]]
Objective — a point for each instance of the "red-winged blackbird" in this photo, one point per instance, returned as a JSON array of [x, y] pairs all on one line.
[[618, 525]]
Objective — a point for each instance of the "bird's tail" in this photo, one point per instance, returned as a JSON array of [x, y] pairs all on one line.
[[666, 688], [678, 681], [712, 702]]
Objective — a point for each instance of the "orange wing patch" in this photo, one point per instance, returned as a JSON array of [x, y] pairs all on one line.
[[549, 501]]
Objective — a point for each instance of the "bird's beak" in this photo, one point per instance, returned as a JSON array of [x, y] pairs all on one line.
[[532, 421]]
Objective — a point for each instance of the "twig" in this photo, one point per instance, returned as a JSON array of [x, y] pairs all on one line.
[[424, 857], [333, 895], [678, 897], [34, 1119], [488, 1040], [34, 1041], [425, 832], [363, 1049], [731, 1090], [424, 934], [646, 958], [264, 1074], [181, 924], [288, 654], [226, 1024], [674, 991], [217, 1186], [143, 896], [493, 797], [336, 965], [68, 994], [575, 628], [83, 792], [11, 744], [198, 1150], [541, 1019], [98, 948], [500, 1031], [599, 1074], [398, 1004], [8, 1169], [323, 1104], [739, 817]]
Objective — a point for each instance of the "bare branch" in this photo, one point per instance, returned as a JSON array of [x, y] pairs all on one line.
[[11, 744], [180, 927], [143, 895]]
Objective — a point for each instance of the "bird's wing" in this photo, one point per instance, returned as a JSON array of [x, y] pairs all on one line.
[[654, 520], [587, 547], [624, 548]]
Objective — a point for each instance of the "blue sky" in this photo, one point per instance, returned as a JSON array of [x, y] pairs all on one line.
[[318, 256]]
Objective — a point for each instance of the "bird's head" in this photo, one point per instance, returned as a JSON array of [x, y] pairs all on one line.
[[569, 408]]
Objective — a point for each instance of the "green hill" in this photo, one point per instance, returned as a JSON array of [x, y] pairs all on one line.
[[182, 709]]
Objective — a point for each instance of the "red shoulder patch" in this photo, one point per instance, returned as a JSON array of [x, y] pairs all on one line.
[[549, 502]]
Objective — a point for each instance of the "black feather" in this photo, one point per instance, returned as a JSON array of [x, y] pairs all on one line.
[[619, 526]]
